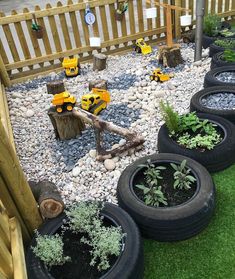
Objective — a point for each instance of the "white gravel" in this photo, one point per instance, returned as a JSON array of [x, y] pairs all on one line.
[[78, 178]]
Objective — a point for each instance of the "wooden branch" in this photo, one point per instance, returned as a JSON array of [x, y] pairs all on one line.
[[133, 139], [48, 197]]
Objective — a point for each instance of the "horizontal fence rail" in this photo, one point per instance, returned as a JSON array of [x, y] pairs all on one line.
[[65, 33]]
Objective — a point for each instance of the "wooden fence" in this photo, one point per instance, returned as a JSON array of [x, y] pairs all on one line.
[[66, 34]]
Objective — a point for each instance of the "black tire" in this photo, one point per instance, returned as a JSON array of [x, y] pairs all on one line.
[[207, 41], [215, 49], [138, 49], [217, 61], [211, 80], [130, 263], [217, 159], [169, 223], [196, 103], [225, 25]]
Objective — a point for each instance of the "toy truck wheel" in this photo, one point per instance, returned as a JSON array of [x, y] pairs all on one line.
[[59, 109], [69, 107], [151, 78]]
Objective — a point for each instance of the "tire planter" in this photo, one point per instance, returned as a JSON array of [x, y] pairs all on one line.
[[207, 41], [219, 158], [215, 49], [196, 102], [169, 223], [217, 61], [212, 80], [129, 263]]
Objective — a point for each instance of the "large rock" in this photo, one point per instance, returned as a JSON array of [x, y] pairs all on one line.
[[109, 164]]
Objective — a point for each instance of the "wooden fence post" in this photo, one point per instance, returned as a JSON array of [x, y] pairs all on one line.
[[13, 176], [4, 74], [177, 20]]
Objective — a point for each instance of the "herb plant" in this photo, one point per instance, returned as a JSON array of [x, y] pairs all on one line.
[[226, 43], [182, 176], [152, 191], [170, 117], [49, 249], [229, 55], [211, 25], [226, 33]]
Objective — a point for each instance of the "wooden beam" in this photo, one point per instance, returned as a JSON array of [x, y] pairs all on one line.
[[6, 260], [3, 73], [17, 184], [4, 227], [17, 250]]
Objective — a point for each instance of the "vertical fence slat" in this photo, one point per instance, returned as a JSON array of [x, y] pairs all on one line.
[[213, 2], [131, 16], [45, 38], [6, 260], [149, 20], [64, 27], [206, 7], [54, 30], [191, 7], [84, 27], [34, 41], [233, 5], [104, 23], [4, 227], [158, 18], [3, 53], [113, 20], [74, 26], [4, 74], [220, 5], [226, 6], [140, 15]]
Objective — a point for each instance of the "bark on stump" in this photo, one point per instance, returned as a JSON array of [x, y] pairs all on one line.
[[101, 84], [99, 61], [66, 126], [55, 87], [170, 56], [48, 198]]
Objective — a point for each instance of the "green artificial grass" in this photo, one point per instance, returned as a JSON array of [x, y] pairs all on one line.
[[209, 255]]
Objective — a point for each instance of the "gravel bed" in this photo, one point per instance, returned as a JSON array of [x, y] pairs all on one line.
[[219, 101], [134, 104], [226, 77]]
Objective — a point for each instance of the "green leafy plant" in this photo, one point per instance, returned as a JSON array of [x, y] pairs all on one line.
[[225, 43], [183, 179], [170, 117], [229, 55], [122, 7], [211, 25], [152, 191], [226, 33], [49, 249], [105, 241]]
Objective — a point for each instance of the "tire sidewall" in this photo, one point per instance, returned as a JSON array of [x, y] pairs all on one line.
[[211, 80]]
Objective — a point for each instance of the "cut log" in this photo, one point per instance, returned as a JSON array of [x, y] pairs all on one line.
[[99, 61], [66, 126], [101, 84], [99, 125], [170, 56], [48, 198], [55, 87]]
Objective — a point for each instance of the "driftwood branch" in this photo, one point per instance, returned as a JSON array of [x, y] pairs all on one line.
[[133, 139]]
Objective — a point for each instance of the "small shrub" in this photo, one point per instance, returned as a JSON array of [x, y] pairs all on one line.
[[49, 249], [225, 43], [229, 55], [182, 176], [211, 25], [170, 117]]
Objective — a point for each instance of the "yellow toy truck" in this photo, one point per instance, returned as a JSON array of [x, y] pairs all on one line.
[[95, 101], [63, 101], [157, 75], [71, 66], [142, 47]]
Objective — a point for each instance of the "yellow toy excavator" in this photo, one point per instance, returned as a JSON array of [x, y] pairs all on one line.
[[71, 66], [142, 47], [63, 101], [95, 101], [158, 75]]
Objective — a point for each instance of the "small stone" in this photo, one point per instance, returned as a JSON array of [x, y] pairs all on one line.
[[132, 98], [76, 171], [198, 63], [139, 73], [29, 113], [122, 142], [92, 153], [109, 164]]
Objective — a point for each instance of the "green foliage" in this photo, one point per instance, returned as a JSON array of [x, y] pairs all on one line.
[[105, 241], [49, 249], [211, 25], [182, 176], [229, 55], [226, 43], [170, 117], [152, 191], [122, 7], [226, 33], [188, 122]]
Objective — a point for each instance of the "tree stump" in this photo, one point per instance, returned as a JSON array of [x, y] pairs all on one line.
[[101, 84], [48, 198], [66, 126], [170, 56], [99, 61], [55, 87]]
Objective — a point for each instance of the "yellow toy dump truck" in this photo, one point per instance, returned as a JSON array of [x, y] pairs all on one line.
[[63, 101], [71, 66], [142, 47], [157, 75], [95, 101]]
